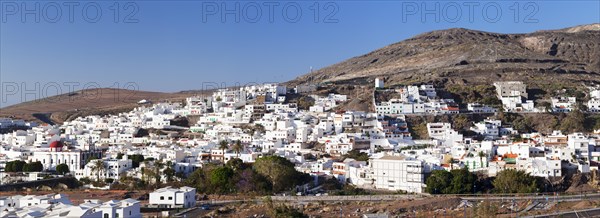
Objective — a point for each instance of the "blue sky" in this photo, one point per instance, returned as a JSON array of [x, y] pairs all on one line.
[[179, 45]]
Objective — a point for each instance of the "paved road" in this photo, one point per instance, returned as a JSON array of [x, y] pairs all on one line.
[[594, 212], [560, 198]]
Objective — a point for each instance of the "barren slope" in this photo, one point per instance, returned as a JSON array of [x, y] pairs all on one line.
[[92, 101]]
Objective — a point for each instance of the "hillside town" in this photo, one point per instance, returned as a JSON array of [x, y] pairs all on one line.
[[371, 150]]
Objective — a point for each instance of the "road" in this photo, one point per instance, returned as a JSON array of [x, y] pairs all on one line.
[[560, 198], [541, 197], [594, 212]]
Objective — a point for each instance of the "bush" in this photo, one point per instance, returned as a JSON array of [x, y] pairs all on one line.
[[459, 181], [515, 181], [357, 155], [62, 169], [351, 190], [305, 102], [14, 166], [280, 172], [439, 182], [268, 174], [220, 179], [85, 180], [33, 167]]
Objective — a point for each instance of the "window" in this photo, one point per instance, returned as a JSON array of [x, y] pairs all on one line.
[[170, 198], [116, 215], [106, 215], [162, 198]]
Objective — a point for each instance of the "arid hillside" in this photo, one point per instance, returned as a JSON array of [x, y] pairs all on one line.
[[470, 56], [87, 102]]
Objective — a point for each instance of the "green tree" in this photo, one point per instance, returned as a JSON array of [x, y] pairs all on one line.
[[439, 182], [458, 181], [305, 102], [220, 179], [249, 181], [481, 155], [158, 165], [238, 147], [62, 169], [463, 181], [119, 155], [136, 159], [515, 181], [236, 164], [14, 166], [98, 168], [199, 179], [169, 172], [223, 145], [280, 172], [33, 167]]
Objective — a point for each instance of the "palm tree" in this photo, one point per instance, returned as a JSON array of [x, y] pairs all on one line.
[[158, 165], [98, 167], [451, 161], [238, 147], [169, 171], [223, 145], [481, 155]]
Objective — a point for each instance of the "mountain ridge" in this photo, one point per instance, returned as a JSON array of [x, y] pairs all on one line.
[[570, 50]]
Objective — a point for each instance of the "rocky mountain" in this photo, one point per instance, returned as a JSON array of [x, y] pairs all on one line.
[[462, 56]]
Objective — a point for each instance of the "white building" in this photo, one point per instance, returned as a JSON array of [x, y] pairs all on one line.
[[416, 100], [379, 83], [594, 103], [513, 95], [444, 133], [58, 205], [57, 154], [480, 108], [487, 127], [563, 105], [113, 169], [184, 197], [398, 173], [117, 209]]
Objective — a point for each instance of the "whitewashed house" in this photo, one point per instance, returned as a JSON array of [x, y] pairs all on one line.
[[184, 197], [398, 173]]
